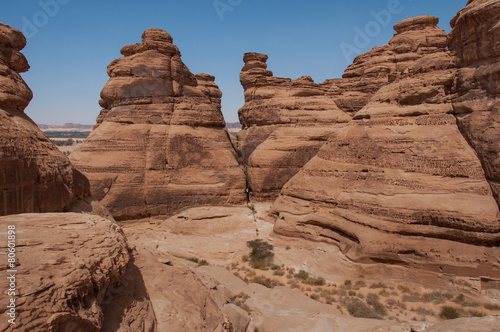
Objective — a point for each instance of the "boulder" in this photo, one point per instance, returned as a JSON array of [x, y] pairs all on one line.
[[68, 268]]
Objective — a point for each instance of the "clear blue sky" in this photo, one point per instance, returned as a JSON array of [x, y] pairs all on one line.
[[76, 41]]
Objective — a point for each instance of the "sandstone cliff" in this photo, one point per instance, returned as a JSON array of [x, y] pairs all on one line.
[[160, 145], [36, 176], [401, 174], [475, 42], [284, 122]]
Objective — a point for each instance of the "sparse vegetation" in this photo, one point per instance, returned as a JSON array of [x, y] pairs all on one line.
[[449, 313], [259, 265], [303, 275], [261, 252], [68, 142], [203, 263], [359, 284], [378, 285], [267, 282], [359, 309], [358, 298]]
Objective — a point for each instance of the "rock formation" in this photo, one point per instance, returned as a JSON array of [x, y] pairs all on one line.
[[372, 70], [35, 175], [76, 272], [475, 42], [67, 267], [401, 174], [160, 145], [284, 122]]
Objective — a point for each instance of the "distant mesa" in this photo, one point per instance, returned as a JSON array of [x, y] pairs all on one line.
[[36, 176], [66, 127], [160, 136]]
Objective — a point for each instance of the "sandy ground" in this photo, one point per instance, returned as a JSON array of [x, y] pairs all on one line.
[[219, 235]]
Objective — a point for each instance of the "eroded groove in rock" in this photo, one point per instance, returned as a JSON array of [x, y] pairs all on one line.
[[35, 176], [160, 144]]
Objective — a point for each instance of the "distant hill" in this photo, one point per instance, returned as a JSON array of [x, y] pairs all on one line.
[[66, 127], [233, 125]]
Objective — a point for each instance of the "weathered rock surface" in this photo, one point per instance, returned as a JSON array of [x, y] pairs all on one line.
[[35, 175], [180, 299], [475, 42], [67, 266], [398, 174], [415, 38], [160, 145], [284, 122]]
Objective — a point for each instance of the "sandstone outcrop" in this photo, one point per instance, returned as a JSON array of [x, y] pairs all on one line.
[[68, 268], [35, 175], [401, 174], [370, 71], [475, 42], [160, 144], [285, 122]]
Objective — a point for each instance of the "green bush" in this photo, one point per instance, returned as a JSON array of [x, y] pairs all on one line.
[[269, 283], [259, 265], [359, 309], [261, 251], [279, 273], [378, 285], [359, 284], [303, 275], [449, 313], [315, 281]]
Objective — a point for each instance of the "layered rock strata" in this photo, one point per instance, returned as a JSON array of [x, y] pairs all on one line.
[[285, 122], [415, 38], [35, 176], [160, 145], [400, 184], [475, 43]]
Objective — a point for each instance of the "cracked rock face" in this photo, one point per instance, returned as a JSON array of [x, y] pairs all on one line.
[[398, 174], [160, 144], [36, 176]]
